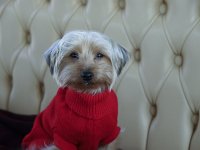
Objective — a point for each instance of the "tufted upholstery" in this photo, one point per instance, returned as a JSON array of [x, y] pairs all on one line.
[[159, 90]]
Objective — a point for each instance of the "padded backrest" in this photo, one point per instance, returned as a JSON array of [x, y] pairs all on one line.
[[159, 90]]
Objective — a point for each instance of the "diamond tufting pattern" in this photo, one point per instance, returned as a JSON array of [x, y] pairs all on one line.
[[159, 90]]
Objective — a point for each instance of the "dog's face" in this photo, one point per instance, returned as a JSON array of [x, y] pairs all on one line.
[[86, 61]]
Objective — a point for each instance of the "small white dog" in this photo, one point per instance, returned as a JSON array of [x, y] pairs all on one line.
[[83, 114]]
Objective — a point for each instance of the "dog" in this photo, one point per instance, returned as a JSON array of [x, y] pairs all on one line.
[[83, 114]]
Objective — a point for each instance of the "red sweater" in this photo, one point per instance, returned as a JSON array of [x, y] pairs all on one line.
[[76, 121]]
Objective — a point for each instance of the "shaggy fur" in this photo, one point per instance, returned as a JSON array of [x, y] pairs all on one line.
[[88, 62]]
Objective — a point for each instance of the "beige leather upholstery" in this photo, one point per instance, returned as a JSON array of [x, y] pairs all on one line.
[[159, 90]]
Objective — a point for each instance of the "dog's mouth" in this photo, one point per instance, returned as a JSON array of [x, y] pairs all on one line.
[[88, 85]]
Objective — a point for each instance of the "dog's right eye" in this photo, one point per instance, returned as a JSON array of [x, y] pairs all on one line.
[[99, 55], [74, 55]]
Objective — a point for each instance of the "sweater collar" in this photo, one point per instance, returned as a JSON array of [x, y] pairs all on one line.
[[89, 105]]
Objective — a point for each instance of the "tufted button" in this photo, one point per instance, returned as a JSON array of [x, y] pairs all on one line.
[[163, 8], [121, 4], [195, 119], [83, 2], [178, 60], [61, 35], [27, 37], [137, 54], [10, 80], [153, 110], [41, 89]]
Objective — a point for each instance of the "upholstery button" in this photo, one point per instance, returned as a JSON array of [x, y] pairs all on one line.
[[178, 60], [121, 4], [61, 35], [137, 55], [153, 110], [163, 8], [41, 89], [83, 2], [195, 119], [27, 37], [10, 80]]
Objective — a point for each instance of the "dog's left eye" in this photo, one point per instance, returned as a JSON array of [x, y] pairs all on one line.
[[99, 55], [74, 55]]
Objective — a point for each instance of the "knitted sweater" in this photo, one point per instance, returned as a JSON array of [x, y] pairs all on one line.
[[76, 121]]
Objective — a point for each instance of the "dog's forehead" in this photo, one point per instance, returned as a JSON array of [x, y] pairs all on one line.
[[85, 40]]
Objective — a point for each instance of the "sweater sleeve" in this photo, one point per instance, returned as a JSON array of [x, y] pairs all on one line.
[[115, 130], [111, 137], [41, 133]]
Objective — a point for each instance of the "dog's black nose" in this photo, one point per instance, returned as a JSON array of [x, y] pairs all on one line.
[[87, 75]]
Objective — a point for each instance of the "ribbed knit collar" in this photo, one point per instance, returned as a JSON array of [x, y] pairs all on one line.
[[89, 105]]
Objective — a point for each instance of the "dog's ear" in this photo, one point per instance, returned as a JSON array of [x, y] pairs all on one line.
[[120, 57], [51, 54], [123, 58]]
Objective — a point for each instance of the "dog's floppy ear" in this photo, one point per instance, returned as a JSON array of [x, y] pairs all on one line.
[[120, 57], [123, 58], [51, 54]]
